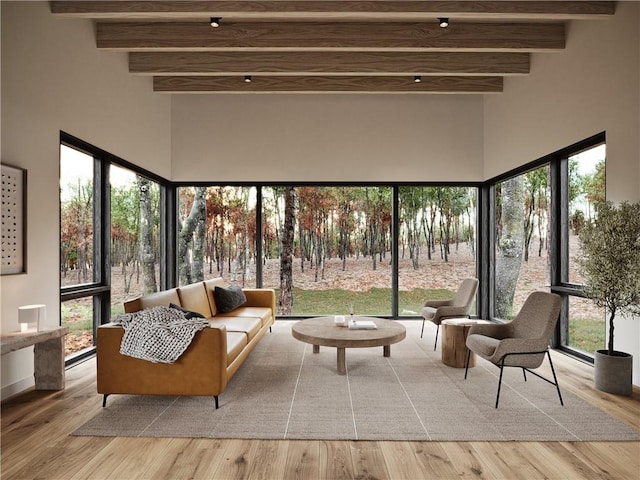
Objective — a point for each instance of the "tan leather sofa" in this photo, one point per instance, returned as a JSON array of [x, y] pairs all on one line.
[[213, 357]]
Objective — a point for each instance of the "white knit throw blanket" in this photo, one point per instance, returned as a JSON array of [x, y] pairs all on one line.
[[158, 334]]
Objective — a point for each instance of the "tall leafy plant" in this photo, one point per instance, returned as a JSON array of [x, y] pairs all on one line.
[[610, 260]]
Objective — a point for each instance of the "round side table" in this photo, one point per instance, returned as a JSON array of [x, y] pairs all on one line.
[[454, 337]]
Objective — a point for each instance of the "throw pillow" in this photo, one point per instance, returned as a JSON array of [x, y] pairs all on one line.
[[189, 314], [229, 298]]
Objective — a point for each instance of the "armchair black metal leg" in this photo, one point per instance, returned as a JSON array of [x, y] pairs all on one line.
[[500, 381], [524, 374], [436, 343], [422, 332], [104, 400], [216, 400], [466, 366], [555, 379]]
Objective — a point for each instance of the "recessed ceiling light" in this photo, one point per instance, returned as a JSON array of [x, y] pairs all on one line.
[[215, 22], [417, 78], [443, 22], [247, 78]]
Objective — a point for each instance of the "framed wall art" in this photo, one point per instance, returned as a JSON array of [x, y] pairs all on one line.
[[14, 222]]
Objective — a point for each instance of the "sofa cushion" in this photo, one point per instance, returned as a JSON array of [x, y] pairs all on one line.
[[194, 297], [159, 299], [248, 325], [189, 314], [263, 313], [236, 341], [209, 286], [228, 299]]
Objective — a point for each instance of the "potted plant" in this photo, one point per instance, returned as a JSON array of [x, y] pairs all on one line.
[[610, 263]]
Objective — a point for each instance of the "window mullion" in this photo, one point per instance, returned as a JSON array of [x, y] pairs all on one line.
[[395, 229]]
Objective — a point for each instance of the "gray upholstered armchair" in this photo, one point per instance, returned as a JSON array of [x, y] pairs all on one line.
[[459, 306], [523, 342]]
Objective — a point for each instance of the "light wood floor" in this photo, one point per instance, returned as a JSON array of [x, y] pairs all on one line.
[[36, 445]]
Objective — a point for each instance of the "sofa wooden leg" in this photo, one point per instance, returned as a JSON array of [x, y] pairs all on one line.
[[104, 400]]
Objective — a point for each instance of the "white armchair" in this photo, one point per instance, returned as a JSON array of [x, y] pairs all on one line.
[[523, 342], [459, 306]]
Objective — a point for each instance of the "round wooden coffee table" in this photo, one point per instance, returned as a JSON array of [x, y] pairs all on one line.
[[322, 331]]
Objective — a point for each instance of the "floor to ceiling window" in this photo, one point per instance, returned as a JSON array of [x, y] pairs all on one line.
[[585, 330], [437, 243], [110, 239], [537, 213], [330, 248], [339, 243], [81, 276], [363, 248], [135, 236], [521, 246], [217, 234]]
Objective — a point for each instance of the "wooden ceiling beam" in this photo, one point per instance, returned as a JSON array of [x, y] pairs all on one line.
[[329, 63], [337, 36], [327, 84], [336, 9]]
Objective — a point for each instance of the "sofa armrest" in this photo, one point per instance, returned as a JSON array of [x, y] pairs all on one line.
[[261, 297], [133, 305]]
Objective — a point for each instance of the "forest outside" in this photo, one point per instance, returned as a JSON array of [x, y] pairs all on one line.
[[328, 250]]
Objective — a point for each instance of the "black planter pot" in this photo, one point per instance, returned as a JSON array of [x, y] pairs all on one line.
[[613, 373]]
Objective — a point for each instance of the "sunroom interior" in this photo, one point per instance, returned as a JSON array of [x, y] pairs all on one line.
[[59, 89]]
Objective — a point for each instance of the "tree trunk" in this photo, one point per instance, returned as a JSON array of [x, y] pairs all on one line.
[[185, 238], [612, 316], [199, 239], [286, 254], [147, 252], [528, 224], [510, 246]]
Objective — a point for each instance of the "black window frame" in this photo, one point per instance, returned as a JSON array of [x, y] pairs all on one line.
[[558, 162], [395, 186], [100, 288]]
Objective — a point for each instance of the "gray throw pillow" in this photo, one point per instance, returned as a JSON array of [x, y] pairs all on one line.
[[189, 314], [228, 299]]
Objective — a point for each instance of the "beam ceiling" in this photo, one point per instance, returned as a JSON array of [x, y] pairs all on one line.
[[336, 9], [335, 46]]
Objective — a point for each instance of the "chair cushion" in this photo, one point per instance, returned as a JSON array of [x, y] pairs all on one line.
[[482, 345], [428, 312]]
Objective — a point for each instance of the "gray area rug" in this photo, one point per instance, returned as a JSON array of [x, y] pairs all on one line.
[[284, 391]]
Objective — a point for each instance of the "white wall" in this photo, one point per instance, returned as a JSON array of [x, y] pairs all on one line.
[[327, 138], [54, 78], [590, 87]]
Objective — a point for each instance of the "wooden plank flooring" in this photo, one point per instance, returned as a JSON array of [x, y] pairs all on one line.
[[36, 445]]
